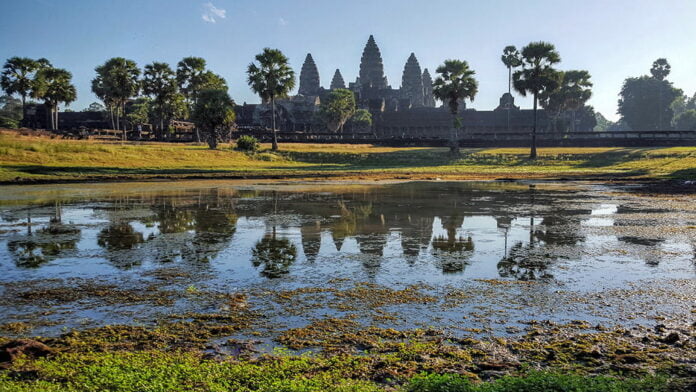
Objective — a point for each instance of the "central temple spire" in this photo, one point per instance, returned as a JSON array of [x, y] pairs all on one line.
[[309, 77], [371, 66]]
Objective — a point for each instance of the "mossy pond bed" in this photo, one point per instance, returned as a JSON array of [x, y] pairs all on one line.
[[479, 279]]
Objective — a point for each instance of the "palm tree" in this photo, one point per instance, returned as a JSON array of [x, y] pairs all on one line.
[[536, 77], [189, 73], [159, 81], [660, 69], [17, 78], [271, 77], [53, 86], [578, 90], [117, 82], [511, 59], [454, 84]]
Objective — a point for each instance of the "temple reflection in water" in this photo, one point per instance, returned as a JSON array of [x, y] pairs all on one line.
[[450, 225]]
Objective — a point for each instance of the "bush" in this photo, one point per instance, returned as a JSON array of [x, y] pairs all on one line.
[[248, 143]]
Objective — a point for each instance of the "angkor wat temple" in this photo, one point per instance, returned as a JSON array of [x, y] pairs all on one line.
[[405, 112]]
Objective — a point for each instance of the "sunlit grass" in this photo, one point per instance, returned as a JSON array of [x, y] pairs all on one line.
[[26, 157]]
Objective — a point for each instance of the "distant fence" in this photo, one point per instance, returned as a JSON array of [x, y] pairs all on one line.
[[493, 139]]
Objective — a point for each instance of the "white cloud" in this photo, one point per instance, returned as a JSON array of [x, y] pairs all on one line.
[[282, 22], [212, 13]]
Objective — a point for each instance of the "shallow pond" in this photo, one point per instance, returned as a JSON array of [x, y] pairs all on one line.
[[481, 258]]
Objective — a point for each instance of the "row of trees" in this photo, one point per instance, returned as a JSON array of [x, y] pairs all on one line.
[[536, 76], [647, 102], [38, 79], [167, 93]]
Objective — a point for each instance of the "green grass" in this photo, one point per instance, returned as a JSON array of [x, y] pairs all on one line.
[[24, 158], [157, 371]]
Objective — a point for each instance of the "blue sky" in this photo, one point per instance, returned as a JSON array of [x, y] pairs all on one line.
[[613, 39]]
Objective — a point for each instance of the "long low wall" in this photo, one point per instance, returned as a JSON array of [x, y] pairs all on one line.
[[507, 139]]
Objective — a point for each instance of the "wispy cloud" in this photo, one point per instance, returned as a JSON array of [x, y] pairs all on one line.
[[211, 13], [282, 22]]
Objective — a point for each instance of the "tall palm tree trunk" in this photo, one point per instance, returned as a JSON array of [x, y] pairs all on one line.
[[274, 146], [24, 109], [454, 143], [510, 93], [659, 108], [533, 151]]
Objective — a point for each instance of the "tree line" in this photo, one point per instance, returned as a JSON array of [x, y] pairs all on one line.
[[158, 94]]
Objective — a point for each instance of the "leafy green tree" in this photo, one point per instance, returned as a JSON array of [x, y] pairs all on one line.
[[95, 107], [54, 86], [578, 90], [660, 70], [213, 81], [213, 112], [585, 118], [640, 96], [361, 120], [337, 108], [159, 82], [18, 77], [10, 111], [573, 93], [117, 82], [686, 121], [138, 113], [455, 84], [602, 122], [537, 77], [271, 77], [173, 108]]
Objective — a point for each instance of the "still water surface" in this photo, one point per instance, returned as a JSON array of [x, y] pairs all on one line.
[[519, 251]]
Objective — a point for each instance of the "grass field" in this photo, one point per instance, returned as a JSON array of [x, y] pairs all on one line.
[[43, 159]]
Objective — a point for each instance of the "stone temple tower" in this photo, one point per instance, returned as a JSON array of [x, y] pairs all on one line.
[[371, 67], [337, 81], [428, 99], [412, 82], [309, 77]]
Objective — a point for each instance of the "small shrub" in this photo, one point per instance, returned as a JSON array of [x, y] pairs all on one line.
[[248, 143]]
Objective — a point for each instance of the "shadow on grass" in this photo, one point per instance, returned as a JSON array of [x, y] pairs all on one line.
[[684, 174], [613, 157]]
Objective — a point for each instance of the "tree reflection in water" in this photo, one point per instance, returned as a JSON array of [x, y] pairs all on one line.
[[524, 263], [119, 236], [458, 252], [33, 249], [274, 255]]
